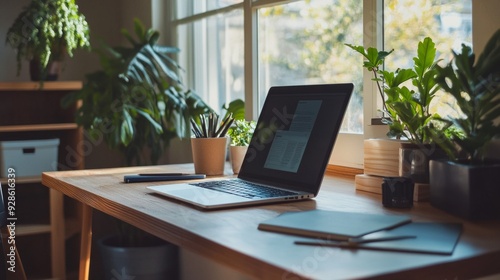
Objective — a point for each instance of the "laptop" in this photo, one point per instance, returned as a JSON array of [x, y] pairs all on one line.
[[287, 156]]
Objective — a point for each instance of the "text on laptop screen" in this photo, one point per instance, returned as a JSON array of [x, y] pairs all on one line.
[[289, 145]]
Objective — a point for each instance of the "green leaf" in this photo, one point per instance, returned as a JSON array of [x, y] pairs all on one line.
[[402, 75], [139, 29], [127, 129], [426, 54], [359, 49], [374, 57], [235, 107], [149, 118]]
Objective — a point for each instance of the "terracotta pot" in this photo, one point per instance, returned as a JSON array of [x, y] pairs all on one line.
[[209, 155], [237, 154]]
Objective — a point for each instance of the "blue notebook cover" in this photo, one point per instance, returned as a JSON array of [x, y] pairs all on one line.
[[332, 225]]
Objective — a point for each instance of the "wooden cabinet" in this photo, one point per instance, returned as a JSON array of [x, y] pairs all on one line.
[[29, 112]]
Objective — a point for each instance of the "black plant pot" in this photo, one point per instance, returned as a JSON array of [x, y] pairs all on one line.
[[467, 191], [156, 261], [415, 160], [50, 73]]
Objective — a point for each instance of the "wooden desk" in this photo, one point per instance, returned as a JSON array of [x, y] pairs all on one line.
[[231, 236]]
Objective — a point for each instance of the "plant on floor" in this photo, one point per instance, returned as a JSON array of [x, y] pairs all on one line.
[[137, 100], [47, 30], [407, 109], [475, 85]]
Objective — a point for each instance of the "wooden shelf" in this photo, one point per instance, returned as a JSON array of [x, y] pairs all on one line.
[[72, 228], [47, 86], [23, 180], [23, 230], [28, 111], [38, 127]]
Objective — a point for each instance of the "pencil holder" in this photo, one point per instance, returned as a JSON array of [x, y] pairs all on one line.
[[397, 192], [209, 155]]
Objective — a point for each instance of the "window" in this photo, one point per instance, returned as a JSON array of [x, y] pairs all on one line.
[[212, 49], [303, 43], [239, 48]]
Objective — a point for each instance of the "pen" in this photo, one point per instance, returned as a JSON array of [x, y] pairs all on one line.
[[154, 177], [203, 126], [353, 242], [161, 174], [223, 125], [226, 128], [196, 130]]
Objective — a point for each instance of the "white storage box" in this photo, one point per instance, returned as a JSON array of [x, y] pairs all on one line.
[[28, 157]]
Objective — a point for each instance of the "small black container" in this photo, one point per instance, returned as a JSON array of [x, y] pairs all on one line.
[[397, 192]]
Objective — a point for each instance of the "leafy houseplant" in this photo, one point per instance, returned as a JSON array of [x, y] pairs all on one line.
[[467, 184], [407, 109], [137, 100], [241, 132], [45, 31], [240, 135]]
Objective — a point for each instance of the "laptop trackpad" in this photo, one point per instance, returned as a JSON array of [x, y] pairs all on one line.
[[201, 196]]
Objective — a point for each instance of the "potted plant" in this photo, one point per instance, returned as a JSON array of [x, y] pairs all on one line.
[[240, 135], [137, 100], [44, 32], [406, 94], [467, 184]]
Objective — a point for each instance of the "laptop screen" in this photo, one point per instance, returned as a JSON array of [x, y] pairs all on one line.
[[295, 134]]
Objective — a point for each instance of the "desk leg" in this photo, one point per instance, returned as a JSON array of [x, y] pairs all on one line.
[[86, 242], [58, 238]]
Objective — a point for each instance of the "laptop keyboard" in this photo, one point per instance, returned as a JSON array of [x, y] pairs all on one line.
[[244, 189]]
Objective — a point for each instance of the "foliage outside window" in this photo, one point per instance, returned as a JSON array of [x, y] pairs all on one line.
[[448, 23], [303, 43], [299, 42]]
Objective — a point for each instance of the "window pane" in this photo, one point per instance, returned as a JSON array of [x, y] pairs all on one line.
[[212, 50], [189, 8], [406, 22], [303, 43]]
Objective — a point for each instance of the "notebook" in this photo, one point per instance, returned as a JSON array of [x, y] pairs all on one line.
[[289, 151], [332, 225], [431, 238]]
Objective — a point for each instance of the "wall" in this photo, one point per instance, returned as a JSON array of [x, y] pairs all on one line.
[[485, 22]]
